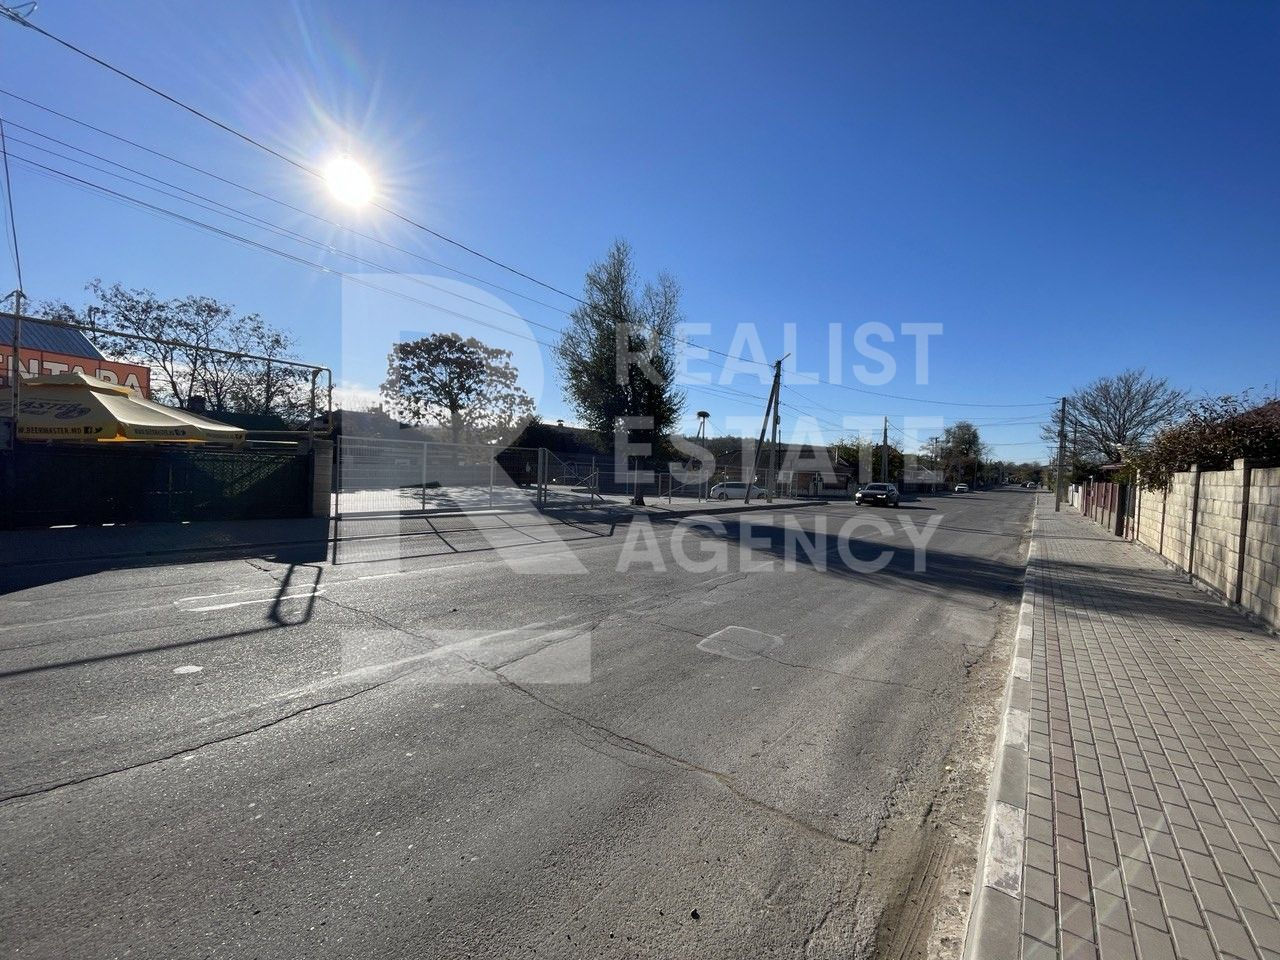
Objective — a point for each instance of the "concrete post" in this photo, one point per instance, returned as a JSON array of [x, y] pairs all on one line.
[[1195, 511], [1246, 477], [1164, 512], [1137, 507], [321, 478]]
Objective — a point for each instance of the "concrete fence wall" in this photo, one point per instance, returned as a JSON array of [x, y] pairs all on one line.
[[1260, 585], [1223, 528]]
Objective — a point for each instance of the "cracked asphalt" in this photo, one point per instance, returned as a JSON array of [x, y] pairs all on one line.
[[491, 742]]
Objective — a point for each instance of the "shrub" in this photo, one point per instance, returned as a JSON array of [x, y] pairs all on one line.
[[1216, 432]]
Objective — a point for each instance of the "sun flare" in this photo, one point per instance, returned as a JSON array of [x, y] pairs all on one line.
[[349, 182]]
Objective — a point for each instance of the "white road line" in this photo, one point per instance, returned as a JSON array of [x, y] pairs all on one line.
[[245, 603], [229, 593]]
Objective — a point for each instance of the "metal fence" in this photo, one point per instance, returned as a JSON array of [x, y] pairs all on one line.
[[381, 476], [53, 484], [376, 476]]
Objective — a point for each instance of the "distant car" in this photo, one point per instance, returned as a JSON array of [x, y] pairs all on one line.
[[962, 488], [734, 491], [877, 495]]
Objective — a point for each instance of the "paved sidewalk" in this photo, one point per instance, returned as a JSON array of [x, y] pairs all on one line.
[[1136, 806]]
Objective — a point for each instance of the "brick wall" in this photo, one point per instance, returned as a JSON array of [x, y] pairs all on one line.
[[1165, 521]]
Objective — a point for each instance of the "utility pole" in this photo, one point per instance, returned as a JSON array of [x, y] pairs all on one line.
[[1062, 455], [769, 410], [772, 490], [15, 375], [884, 453]]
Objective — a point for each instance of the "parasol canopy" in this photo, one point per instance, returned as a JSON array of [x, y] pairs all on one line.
[[79, 408]]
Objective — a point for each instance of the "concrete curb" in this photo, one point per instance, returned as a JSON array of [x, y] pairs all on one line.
[[995, 916]]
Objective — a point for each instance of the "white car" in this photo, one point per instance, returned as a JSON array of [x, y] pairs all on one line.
[[962, 488], [734, 491]]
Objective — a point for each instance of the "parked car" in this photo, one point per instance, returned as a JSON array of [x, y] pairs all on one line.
[[877, 495], [734, 491], [962, 488]]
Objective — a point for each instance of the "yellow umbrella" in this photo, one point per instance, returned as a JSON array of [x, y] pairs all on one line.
[[77, 407]]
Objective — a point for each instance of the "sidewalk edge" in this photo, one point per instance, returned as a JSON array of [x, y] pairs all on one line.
[[994, 927]]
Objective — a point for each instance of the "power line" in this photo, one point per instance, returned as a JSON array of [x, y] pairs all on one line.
[[217, 207], [267, 248], [257, 193], [283, 231], [398, 215], [13, 223], [716, 389], [414, 223], [305, 168]]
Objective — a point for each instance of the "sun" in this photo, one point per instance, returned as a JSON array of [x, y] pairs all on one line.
[[349, 182]]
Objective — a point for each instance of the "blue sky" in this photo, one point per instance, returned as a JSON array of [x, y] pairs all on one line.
[[1069, 189]]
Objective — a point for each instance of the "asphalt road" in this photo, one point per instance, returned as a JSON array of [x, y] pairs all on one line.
[[492, 743]]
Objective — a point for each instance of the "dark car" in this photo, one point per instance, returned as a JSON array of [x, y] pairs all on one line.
[[877, 495]]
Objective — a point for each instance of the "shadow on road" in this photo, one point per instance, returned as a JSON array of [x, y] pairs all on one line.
[[299, 581]]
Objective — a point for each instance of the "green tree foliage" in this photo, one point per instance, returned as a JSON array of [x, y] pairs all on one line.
[[960, 452], [464, 385], [196, 347], [1216, 432], [617, 357]]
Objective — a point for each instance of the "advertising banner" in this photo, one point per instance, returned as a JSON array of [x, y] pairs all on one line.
[[42, 363]]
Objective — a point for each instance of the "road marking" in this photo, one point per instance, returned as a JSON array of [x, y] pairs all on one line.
[[189, 668], [379, 576], [245, 603], [229, 593]]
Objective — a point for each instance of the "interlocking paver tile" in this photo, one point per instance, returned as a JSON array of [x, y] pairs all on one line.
[[1231, 936], [1115, 945], [1153, 827], [1192, 942]]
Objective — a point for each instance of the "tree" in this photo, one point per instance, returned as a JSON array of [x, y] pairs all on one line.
[[617, 357], [1113, 415], [464, 385], [196, 347], [960, 452]]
